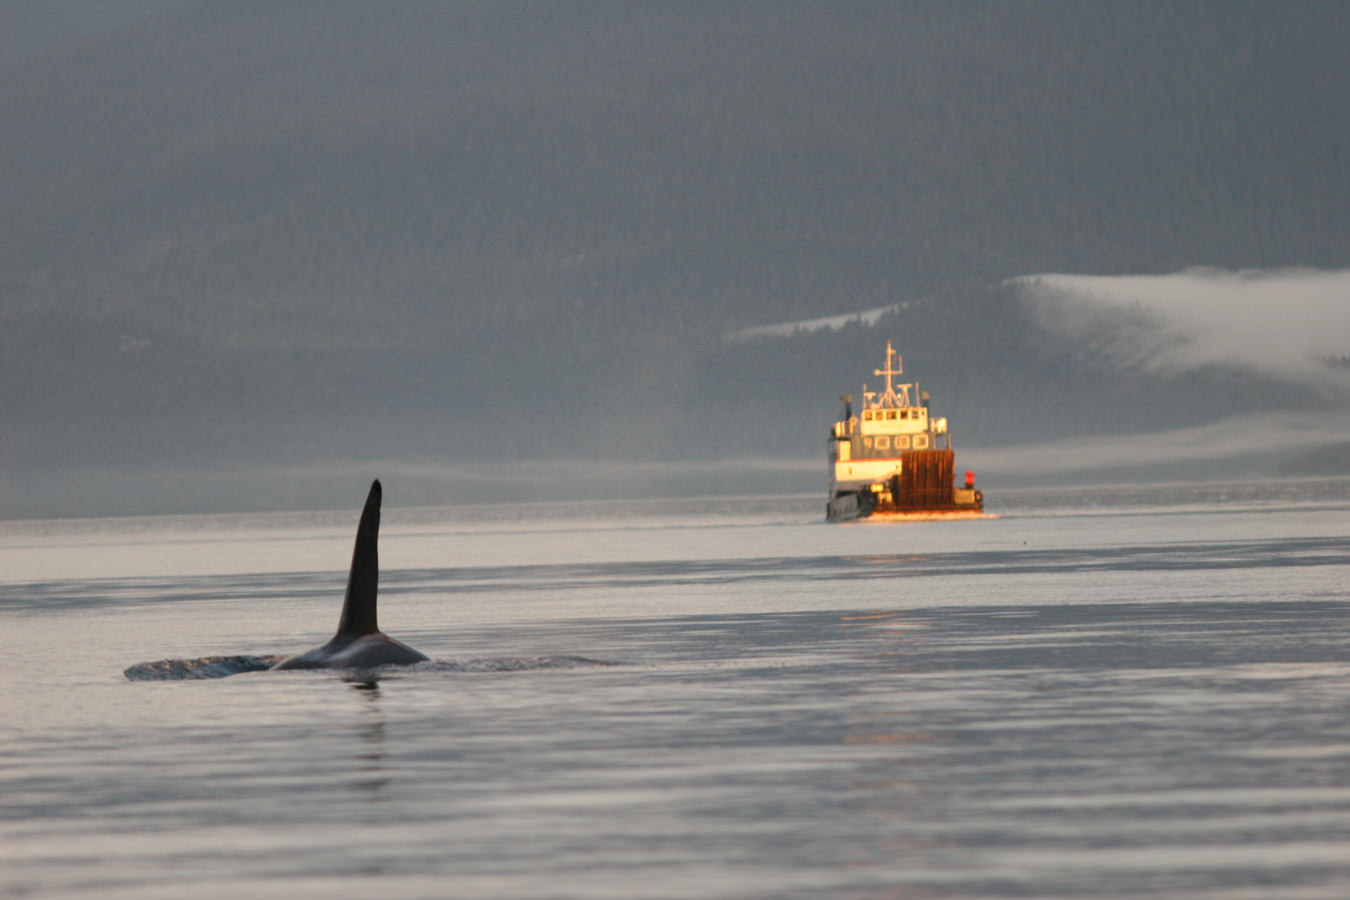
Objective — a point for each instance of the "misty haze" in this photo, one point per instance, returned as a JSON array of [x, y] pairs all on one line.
[[512, 251]]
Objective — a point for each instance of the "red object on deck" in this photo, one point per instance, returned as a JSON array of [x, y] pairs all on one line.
[[970, 479]]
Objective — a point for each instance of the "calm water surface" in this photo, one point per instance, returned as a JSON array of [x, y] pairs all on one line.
[[1141, 693]]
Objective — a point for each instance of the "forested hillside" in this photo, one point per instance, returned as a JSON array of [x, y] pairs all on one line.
[[258, 230]]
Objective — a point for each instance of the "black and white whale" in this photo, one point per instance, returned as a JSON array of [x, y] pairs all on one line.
[[359, 643]]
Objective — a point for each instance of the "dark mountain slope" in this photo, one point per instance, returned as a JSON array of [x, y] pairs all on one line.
[[352, 225]]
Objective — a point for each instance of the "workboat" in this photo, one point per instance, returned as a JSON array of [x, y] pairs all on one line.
[[891, 460]]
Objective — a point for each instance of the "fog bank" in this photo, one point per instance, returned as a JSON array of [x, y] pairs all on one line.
[[1293, 324]]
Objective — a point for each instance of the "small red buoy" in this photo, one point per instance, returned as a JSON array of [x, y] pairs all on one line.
[[970, 479]]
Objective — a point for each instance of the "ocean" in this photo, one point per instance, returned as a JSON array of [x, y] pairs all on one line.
[[1102, 692]]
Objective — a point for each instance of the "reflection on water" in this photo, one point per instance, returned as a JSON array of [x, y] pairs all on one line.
[[373, 778]]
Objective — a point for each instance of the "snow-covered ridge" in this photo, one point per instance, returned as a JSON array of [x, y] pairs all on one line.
[[826, 323]]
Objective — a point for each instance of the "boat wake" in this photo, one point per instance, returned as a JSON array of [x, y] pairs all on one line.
[[224, 666]]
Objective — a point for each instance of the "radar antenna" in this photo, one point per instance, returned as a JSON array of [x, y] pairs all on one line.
[[890, 398]]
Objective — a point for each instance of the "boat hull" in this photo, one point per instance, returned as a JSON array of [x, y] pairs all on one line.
[[922, 488], [852, 507]]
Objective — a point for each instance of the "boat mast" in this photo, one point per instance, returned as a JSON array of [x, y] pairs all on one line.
[[890, 398]]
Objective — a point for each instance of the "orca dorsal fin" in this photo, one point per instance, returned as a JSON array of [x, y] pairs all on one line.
[[358, 606]]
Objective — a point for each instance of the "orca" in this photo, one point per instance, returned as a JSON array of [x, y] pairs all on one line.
[[359, 643]]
